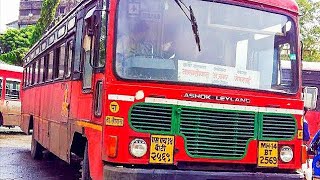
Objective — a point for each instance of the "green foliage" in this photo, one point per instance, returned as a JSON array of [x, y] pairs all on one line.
[[48, 12], [310, 29], [14, 38], [14, 44], [15, 56]]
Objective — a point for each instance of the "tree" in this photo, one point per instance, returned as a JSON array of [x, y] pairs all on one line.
[[310, 29], [48, 11], [14, 44]]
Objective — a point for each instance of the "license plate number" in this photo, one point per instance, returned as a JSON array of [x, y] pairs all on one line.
[[161, 149], [268, 154]]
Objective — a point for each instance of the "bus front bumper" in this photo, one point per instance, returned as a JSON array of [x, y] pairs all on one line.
[[115, 173]]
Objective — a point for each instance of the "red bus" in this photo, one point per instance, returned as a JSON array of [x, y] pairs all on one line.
[[310, 78], [163, 89], [10, 103]]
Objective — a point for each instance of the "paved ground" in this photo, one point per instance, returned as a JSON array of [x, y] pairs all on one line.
[[16, 162]]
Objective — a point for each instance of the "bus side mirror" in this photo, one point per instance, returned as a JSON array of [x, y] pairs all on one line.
[[310, 96]]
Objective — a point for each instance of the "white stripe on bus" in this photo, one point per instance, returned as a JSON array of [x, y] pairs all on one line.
[[117, 97], [222, 106]]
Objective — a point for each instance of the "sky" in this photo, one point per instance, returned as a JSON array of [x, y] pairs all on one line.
[[9, 11]]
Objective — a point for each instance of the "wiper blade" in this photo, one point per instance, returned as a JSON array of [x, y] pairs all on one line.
[[192, 19], [195, 30]]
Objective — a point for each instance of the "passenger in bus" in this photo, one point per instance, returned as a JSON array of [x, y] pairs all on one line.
[[136, 42], [88, 42]]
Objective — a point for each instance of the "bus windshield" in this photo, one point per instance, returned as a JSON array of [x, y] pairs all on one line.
[[240, 47]]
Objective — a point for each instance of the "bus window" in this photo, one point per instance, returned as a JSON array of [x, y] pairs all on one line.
[[46, 68], [69, 58], [62, 60], [27, 77], [78, 48], [103, 35], [24, 77], [88, 51], [56, 63], [39, 72], [33, 73], [36, 70], [98, 99], [50, 66], [12, 89], [0, 87]]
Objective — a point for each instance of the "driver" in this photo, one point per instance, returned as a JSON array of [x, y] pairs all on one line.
[[136, 42]]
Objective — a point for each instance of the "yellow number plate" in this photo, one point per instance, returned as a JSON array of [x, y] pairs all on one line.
[[268, 154], [161, 149]]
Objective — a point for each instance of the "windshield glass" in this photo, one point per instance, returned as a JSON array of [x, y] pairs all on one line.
[[240, 47]]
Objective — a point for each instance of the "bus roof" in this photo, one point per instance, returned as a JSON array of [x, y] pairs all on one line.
[[8, 67], [290, 5]]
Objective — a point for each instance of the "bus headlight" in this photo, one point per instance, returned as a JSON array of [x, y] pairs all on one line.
[[138, 148], [286, 154]]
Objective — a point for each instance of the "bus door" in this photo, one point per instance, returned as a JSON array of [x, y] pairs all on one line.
[[99, 58], [93, 58]]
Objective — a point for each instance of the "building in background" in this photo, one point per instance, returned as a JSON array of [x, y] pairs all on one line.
[[13, 25], [66, 5], [30, 10]]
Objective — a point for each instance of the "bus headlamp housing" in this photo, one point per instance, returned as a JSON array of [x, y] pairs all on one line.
[[286, 154], [138, 147]]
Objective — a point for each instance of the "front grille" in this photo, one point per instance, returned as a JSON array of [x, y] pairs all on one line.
[[278, 127], [213, 133], [151, 117]]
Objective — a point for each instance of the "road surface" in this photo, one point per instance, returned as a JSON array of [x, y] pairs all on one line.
[[16, 162]]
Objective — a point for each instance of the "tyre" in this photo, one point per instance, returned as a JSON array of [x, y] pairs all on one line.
[[1, 120], [36, 149], [85, 171]]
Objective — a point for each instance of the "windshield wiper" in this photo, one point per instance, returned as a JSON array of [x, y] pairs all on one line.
[[192, 20]]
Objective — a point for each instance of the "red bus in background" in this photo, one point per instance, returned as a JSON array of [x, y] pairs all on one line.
[[169, 89], [310, 78], [10, 100]]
